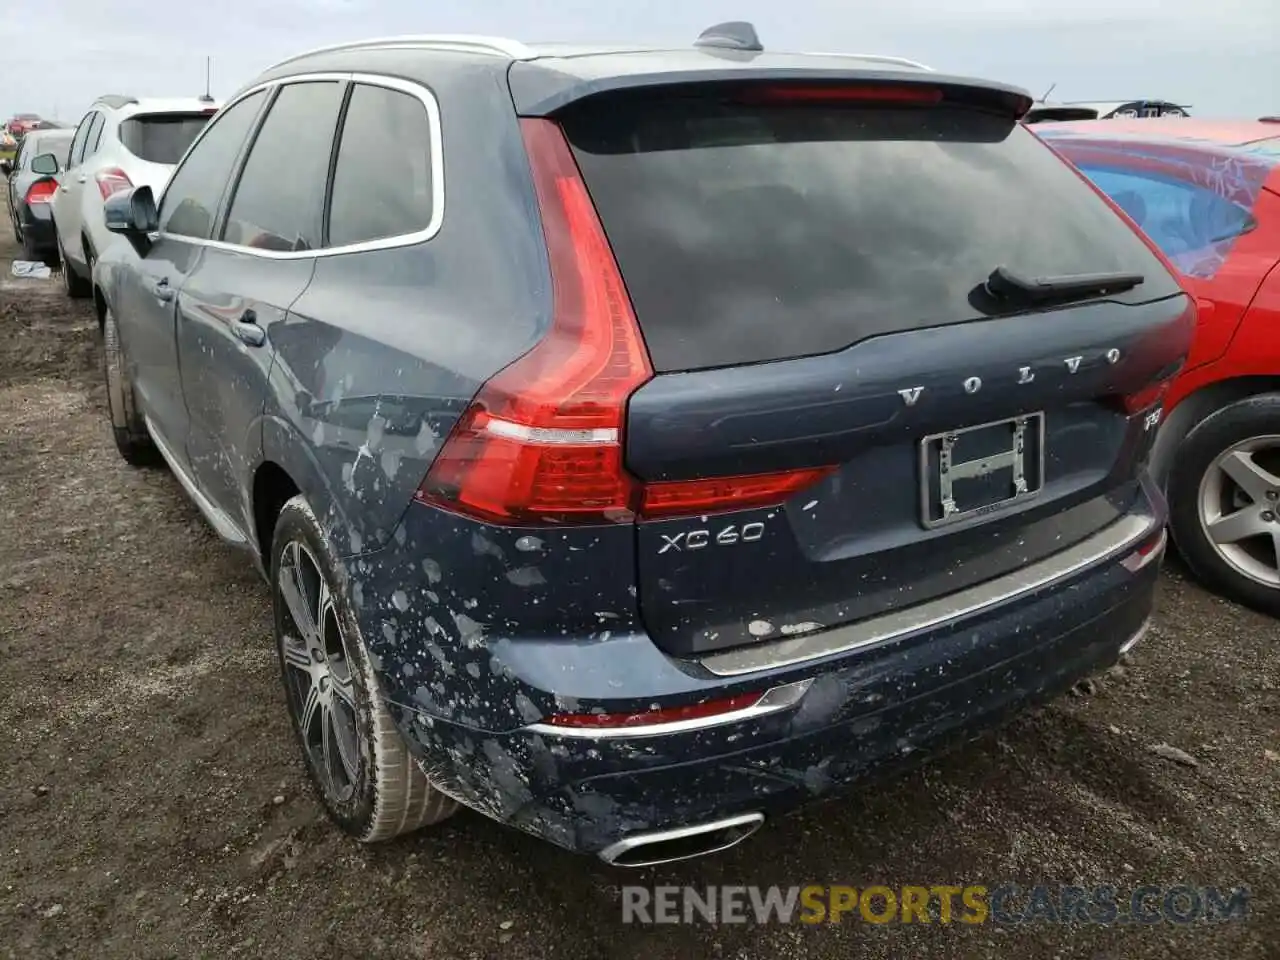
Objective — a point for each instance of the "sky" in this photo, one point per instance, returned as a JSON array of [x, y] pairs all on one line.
[[1221, 57]]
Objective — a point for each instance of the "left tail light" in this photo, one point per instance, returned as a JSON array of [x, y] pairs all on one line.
[[41, 191], [112, 181]]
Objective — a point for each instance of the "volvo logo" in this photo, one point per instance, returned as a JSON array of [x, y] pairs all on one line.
[[911, 395]]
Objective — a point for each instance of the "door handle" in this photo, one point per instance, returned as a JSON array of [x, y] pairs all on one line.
[[247, 331], [82, 178], [162, 290]]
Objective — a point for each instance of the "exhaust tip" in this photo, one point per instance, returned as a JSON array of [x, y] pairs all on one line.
[[683, 843]]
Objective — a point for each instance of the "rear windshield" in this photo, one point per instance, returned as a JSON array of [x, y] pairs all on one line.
[[748, 233], [161, 137]]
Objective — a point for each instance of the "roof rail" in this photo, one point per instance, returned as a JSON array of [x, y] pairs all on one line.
[[879, 58], [460, 42], [115, 101]]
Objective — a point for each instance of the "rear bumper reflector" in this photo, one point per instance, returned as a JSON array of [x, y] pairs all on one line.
[[773, 700], [1116, 540]]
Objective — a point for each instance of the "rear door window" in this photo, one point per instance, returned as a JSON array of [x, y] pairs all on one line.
[[279, 201], [1188, 222], [749, 233], [161, 137], [382, 184], [77, 143], [94, 136]]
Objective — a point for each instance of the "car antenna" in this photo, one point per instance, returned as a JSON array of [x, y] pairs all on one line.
[[207, 97], [1053, 86], [734, 35]]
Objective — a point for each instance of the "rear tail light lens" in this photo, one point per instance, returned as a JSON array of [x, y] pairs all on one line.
[[685, 497], [542, 441], [112, 181], [41, 191]]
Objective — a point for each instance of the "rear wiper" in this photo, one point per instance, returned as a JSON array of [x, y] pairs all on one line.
[[1003, 282]]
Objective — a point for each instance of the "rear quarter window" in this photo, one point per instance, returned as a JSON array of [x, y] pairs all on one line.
[[750, 233]]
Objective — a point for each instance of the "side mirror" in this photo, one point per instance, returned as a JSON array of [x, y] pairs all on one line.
[[6, 168], [46, 165], [132, 214]]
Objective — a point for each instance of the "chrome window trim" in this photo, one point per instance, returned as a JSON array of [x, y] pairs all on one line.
[[434, 133], [1109, 543]]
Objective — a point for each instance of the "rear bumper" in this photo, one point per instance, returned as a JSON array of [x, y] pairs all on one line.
[[874, 699], [37, 229]]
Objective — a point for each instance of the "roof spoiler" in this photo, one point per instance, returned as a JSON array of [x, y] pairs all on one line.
[[539, 92]]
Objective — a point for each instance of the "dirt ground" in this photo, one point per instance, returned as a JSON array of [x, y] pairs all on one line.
[[152, 802]]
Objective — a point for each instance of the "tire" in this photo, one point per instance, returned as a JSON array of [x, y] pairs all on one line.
[[127, 426], [76, 286], [370, 785], [1228, 468]]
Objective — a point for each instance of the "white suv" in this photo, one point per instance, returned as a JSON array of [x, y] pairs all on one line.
[[122, 142]]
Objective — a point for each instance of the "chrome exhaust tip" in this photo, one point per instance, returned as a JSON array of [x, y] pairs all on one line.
[[683, 843]]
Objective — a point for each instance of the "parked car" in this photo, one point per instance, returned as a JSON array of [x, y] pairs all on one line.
[[122, 142], [20, 123], [1208, 193], [1105, 110], [29, 191], [679, 438]]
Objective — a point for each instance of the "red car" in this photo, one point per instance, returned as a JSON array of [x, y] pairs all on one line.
[[22, 123], [1208, 194]]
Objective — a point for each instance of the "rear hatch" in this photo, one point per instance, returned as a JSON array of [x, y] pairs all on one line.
[[808, 267]]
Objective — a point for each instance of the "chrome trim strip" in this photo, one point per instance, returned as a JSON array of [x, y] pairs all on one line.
[[222, 524], [429, 102], [780, 698], [1106, 543], [461, 42], [611, 853]]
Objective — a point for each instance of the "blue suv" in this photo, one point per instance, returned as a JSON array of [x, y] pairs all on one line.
[[640, 442]]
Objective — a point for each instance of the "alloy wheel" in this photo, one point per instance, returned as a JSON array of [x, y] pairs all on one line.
[[1239, 507], [318, 673]]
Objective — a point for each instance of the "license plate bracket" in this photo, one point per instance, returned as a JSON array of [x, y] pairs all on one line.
[[982, 469]]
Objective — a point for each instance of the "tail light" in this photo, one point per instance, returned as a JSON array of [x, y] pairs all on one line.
[[542, 441], [41, 191], [111, 181]]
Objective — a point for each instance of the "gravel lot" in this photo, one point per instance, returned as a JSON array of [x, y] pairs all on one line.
[[152, 803]]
